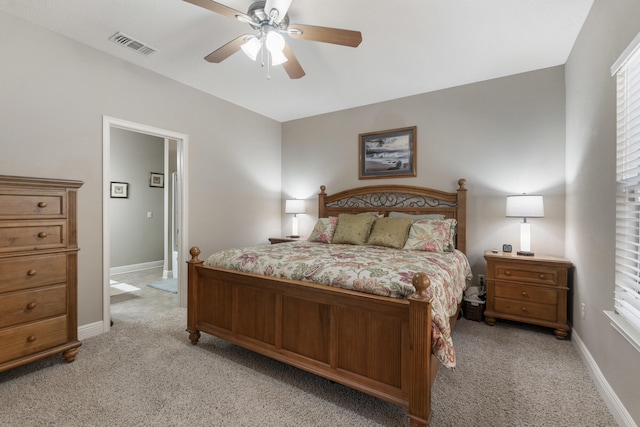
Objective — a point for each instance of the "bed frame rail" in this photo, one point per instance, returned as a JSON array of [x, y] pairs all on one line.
[[380, 346]]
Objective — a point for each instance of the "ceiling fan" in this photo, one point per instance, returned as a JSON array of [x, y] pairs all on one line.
[[270, 20]]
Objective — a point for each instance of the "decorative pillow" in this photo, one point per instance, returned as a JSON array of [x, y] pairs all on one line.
[[415, 217], [432, 235], [391, 232], [353, 229], [324, 230]]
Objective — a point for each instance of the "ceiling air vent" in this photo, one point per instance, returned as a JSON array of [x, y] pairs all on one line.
[[131, 43]]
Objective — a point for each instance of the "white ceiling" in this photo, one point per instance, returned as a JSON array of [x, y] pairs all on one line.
[[409, 46]]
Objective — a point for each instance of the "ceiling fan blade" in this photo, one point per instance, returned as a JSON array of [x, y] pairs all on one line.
[[220, 8], [227, 50], [326, 35], [292, 66], [281, 5]]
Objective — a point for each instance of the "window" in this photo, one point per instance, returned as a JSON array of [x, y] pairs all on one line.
[[626, 315]]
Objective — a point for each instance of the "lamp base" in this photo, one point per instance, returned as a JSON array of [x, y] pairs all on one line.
[[526, 253]]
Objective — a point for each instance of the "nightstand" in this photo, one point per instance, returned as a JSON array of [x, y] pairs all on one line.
[[275, 240], [529, 289]]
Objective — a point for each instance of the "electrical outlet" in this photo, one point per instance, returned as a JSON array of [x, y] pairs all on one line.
[[482, 280], [582, 308]]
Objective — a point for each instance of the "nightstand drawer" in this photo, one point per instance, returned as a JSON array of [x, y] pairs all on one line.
[[526, 293], [22, 307], [526, 273], [526, 309], [32, 338], [30, 272], [27, 236]]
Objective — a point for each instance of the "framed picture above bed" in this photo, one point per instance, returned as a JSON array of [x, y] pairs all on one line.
[[388, 154]]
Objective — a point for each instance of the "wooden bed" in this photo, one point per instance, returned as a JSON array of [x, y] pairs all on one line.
[[378, 345]]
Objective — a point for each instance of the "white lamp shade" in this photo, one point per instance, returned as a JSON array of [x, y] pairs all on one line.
[[525, 206], [251, 47], [294, 206]]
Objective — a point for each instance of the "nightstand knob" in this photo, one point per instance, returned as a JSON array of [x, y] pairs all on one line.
[[31, 338], [524, 309], [42, 204], [31, 306], [42, 234], [31, 273], [507, 273], [542, 276], [524, 293]]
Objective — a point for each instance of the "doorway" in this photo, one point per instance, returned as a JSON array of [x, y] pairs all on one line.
[[175, 205]]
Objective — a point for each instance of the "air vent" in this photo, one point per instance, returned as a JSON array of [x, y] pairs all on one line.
[[131, 43]]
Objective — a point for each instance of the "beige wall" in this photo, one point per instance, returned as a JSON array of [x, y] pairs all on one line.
[[505, 136], [591, 138], [54, 94]]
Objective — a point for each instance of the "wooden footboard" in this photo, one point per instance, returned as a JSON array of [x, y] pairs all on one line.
[[380, 346]]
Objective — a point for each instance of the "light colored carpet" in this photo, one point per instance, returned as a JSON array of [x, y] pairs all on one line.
[[146, 373]]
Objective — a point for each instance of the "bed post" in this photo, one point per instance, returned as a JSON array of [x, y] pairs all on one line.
[[462, 216], [420, 336], [322, 213], [192, 296]]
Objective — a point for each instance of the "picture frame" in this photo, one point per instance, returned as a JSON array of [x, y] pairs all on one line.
[[156, 179], [388, 154], [119, 190]]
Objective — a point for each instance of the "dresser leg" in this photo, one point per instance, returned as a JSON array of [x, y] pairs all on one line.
[[560, 333], [490, 320], [70, 355]]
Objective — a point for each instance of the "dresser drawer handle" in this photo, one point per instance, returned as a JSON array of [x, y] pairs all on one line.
[[524, 293], [524, 309], [542, 276], [31, 338], [42, 234], [31, 306], [31, 273], [42, 204], [507, 273]]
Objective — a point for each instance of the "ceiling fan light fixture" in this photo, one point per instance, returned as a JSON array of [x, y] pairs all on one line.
[[277, 57], [252, 47], [274, 42]]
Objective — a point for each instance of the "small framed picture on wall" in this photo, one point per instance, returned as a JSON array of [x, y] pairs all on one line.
[[156, 180], [119, 190]]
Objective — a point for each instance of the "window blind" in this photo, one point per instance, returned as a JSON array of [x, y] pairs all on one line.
[[627, 269]]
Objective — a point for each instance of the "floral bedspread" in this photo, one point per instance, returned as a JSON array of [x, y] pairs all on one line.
[[372, 269]]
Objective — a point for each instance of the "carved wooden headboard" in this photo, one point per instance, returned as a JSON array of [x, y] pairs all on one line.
[[400, 198]]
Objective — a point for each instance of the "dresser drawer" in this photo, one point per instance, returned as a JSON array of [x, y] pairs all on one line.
[[30, 235], [32, 205], [32, 271], [526, 293], [526, 309], [32, 338], [527, 273], [27, 306]]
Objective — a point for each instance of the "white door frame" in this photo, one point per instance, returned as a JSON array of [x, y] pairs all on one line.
[[183, 241]]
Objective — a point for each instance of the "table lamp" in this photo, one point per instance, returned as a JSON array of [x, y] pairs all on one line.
[[525, 206], [295, 207]]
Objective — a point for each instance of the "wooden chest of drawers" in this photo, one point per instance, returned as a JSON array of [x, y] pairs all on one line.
[[528, 289], [38, 269]]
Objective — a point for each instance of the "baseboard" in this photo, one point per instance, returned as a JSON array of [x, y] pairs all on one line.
[[90, 330], [609, 396], [136, 267]]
